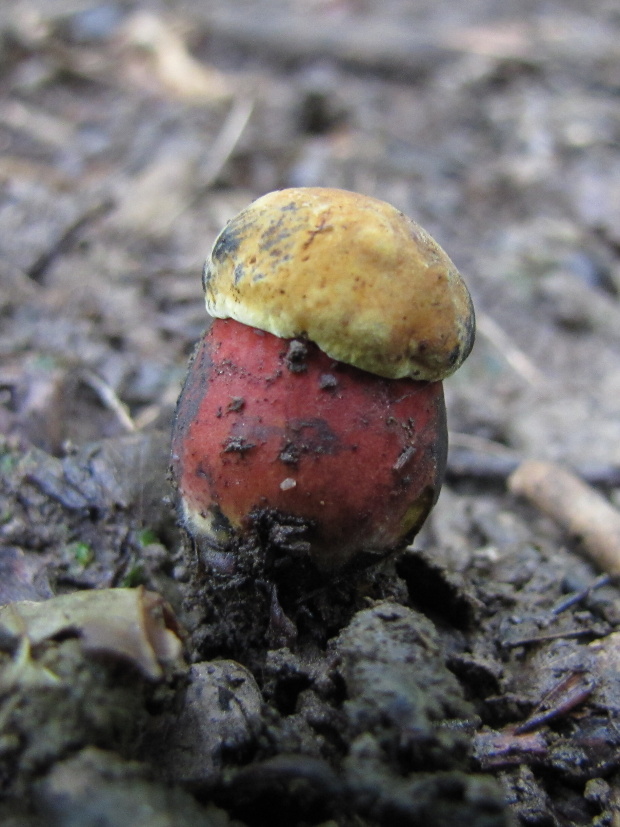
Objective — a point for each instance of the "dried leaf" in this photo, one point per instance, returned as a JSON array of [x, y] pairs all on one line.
[[131, 624]]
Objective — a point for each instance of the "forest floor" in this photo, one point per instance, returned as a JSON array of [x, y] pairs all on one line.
[[457, 684]]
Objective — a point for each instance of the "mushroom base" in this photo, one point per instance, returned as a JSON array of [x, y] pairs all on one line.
[[314, 457]]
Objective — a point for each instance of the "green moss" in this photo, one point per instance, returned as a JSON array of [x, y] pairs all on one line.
[[147, 537], [82, 553], [134, 575]]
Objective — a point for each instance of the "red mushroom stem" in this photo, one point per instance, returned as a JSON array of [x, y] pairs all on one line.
[[269, 425]]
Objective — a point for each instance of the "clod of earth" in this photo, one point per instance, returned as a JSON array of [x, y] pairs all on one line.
[[316, 397]]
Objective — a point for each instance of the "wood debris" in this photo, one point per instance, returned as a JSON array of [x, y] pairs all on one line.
[[585, 514]]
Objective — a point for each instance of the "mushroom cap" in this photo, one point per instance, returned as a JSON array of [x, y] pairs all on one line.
[[349, 272]]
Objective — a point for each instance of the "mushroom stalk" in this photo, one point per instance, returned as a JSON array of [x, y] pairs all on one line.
[[350, 461]]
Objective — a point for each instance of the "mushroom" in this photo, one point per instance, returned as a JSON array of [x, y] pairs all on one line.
[[313, 404]]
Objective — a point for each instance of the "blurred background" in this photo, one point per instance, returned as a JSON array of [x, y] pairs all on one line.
[[130, 132]]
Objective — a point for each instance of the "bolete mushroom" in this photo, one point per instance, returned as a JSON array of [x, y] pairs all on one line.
[[316, 394]]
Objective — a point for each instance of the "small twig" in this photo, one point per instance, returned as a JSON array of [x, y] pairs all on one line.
[[227, 139], [581, 511], [92, 213], [477, 458], [221, 150], [375, 43], [497, 750], [583, 594], [109, 398], [476, 465], [515, 357], [569, 693], [575, 634], [481, 444]]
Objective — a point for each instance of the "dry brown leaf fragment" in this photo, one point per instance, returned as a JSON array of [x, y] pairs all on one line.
[[134, 625]]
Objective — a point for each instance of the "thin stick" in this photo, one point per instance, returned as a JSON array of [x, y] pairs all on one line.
[[515, 357], [581, 511], [91, 213], [476, 458], [227, 139], [221, 150], [583, 594], [108, 398]]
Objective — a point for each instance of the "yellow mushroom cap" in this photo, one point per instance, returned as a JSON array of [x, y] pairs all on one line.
[[349, 272]]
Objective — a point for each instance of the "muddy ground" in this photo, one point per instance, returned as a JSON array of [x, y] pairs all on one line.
[[455, 684]]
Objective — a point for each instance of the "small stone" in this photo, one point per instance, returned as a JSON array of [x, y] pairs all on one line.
[[222, 707]]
